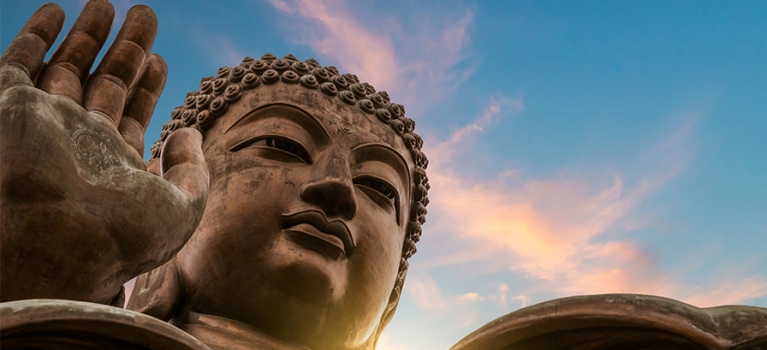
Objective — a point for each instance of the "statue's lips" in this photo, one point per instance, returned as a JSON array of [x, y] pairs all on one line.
[[312, 230]]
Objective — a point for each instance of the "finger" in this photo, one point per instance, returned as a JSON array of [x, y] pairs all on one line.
[[69, 67], [141, 102], [106, 89], [27, 51], [184, 166]]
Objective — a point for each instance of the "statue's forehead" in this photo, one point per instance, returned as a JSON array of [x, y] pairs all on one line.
[[343, 122]]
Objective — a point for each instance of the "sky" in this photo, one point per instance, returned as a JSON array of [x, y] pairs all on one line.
[[575, 147]]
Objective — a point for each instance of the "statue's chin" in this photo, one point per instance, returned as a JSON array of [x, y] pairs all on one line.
[[307, 274]]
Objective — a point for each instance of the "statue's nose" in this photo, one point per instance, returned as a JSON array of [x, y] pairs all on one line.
[[331, 187]]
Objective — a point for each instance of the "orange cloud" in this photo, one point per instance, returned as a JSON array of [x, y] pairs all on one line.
[[550, 230], [563, 232]]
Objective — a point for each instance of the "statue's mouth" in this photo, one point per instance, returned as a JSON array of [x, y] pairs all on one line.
[[312, 230]]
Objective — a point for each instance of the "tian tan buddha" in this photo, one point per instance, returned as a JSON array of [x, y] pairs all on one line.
[[278, 211]]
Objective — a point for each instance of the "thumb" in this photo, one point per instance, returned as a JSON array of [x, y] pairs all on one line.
[[153, 166], [183, 165]]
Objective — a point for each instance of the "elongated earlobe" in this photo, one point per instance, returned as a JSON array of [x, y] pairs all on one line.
[[391, 306]]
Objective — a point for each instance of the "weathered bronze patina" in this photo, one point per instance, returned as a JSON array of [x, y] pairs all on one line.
[[317, 191], [278, 211], [310, 215], [80, 215], [622, 321]]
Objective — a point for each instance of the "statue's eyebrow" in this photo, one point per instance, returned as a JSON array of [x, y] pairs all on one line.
[[387, 155], [293, 113]]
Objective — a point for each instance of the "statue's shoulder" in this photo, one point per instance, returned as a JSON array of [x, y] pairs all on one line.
[[66, 324], [622, 321]]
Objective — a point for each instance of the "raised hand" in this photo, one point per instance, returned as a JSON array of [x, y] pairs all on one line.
[[79, 215]]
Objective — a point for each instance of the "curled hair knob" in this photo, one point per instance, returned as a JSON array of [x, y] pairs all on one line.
[[203, 101], [328, 88], [332, 69], [383, 115], [339, 81], [280, 65], [219, 85], [290, 77], [300, 68], [177, 112], [206, 87], [367, 106], [204, 119], [309, 81], [250, 81], [233, 93], [268, 57], [270, 76], [397, 125], [218, 106], [321, 74], [258, 67], [189, 117], [377, 100], [358, 90], [223, 72], [236, 74], [347, 96]]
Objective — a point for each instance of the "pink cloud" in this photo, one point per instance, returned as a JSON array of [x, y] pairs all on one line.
[[415, 62], [281, 5], [553, 231], [496, 108], [426, 294], [561, 232], [342, 38]]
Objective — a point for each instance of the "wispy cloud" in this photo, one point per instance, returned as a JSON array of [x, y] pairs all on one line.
[[562, 232], [426, 294], [497, 107], [566, 234], [458, 310], [226, 52], [338, 35], [415, 62], [730, 292]]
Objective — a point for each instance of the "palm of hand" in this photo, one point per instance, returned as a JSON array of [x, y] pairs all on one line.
[[80, 215]]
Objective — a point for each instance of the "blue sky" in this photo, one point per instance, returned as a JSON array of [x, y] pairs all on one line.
[[576, 147]]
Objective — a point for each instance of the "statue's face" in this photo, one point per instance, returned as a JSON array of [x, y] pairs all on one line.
[[303, 231]]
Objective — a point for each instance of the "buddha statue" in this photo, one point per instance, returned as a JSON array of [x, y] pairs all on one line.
[[316, 191], [317, 195], [278, 211]]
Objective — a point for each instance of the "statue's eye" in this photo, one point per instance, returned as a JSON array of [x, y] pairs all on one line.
[[378, 190], [285, 145], [282, 146]]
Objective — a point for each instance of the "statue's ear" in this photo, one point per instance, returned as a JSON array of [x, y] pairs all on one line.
[[157, 292]]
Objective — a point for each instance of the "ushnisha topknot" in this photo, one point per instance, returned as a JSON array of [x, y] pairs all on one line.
[[216, 94]]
